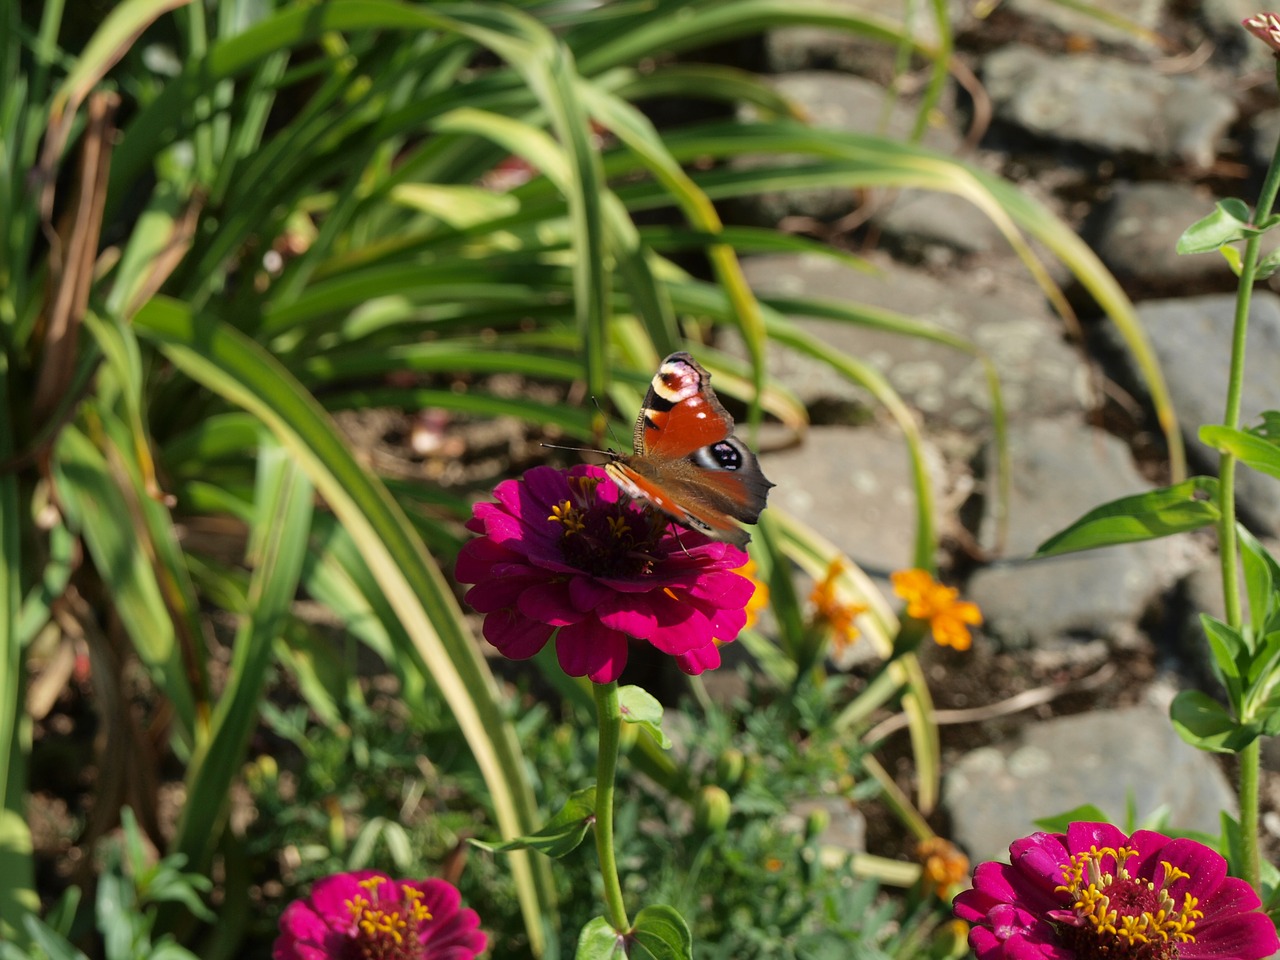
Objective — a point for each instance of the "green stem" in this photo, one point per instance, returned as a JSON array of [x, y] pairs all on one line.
[[1250, 761], [1227, 541], [610, 714]]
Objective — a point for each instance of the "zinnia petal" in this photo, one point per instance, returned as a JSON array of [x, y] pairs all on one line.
[[590, 649], [515, 635], [548, 601], [699, 660]]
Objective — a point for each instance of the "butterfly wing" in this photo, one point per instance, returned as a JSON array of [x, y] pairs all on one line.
[[681, 414], [687, 462]]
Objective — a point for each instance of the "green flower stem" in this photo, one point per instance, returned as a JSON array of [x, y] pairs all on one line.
[[610, 714], [1250, 757]]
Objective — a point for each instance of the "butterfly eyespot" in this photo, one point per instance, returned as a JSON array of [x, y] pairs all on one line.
[[726, 455]]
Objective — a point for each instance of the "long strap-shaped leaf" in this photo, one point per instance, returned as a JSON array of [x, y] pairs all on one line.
[[282, 521], [97, 501], [17, 875], [239, 370]]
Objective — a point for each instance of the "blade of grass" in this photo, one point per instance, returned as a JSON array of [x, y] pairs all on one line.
[[232, 366], [277, 548], [17, 870], [97, 510]]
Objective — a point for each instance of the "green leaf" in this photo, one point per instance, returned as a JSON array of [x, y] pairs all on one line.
[[458, 205], [661, 933], [17, 874], [561, 834], [1086, 812], [599, 941], [1261, 574], [277, 548], [1265, 659], [51, 942], [98, 510], [1234, 260], [1203, 722], [642, 708], [1261, 454], [1270, 714], [1269, 428], [1184, 506], [1268, 265], [1229, 651], [1228, 223]]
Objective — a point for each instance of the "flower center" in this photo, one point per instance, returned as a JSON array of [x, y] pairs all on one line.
[[386, 933], [606, 539], [1119, 916]]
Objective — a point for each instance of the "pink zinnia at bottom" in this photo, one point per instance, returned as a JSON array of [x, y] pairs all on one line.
[[366, 915], [1093, 893]]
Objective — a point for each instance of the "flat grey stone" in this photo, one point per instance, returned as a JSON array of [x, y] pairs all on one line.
[[994, 793], [1191, 337], [852, 485], [918, 220], [833, 101], [1264, 135], [1040, 374], [1108, 105], [806, 48], [1061, 470], [1136, 232], [1147, 14]]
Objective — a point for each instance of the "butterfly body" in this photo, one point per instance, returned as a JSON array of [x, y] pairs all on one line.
[[686, 460]]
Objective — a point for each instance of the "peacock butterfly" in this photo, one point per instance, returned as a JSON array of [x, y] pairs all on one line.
[[686, 461]]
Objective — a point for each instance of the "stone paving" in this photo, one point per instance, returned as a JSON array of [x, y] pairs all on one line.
[[1128, 136]]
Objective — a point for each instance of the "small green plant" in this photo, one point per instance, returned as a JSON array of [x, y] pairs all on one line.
[[130, 891]]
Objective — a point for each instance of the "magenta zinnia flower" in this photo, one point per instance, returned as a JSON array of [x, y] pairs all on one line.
[[562, 551], [366, 915], [1093, 892]]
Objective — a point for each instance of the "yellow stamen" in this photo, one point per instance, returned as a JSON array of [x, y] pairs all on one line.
[[569, 516], [1087, 884]]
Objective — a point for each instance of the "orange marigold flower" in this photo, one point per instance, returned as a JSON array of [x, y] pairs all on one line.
[[944, 865], [828, 607], [949, 617]]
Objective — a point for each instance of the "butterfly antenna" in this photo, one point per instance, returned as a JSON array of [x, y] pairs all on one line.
[[556, 446], [608, 424]]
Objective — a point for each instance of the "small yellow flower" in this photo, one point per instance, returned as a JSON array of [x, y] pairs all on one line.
[[840, 615], [944, 866], [760, 599], [949, 617]]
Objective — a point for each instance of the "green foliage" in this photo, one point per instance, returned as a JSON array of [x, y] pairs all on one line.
[[560, 835], [129, 892], [1145, 516], [293, 211], [768, 753]]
